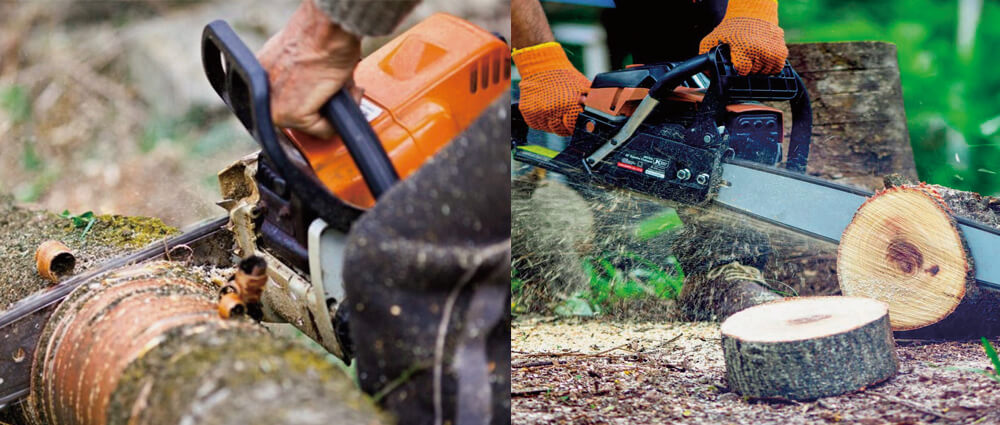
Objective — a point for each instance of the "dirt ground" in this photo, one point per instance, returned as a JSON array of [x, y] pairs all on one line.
[[601, 372]]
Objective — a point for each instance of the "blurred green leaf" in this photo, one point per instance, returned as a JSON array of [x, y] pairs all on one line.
[[652, 227], [85, 221], [14, 99]]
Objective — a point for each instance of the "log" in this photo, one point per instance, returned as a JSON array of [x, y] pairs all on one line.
[[805, 348], [146, 345], [904, 248], [859, 123]]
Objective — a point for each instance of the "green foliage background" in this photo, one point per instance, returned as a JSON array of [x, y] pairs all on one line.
[[951, 91]]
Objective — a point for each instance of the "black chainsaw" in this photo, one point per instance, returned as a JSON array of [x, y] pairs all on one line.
[[695, 132]]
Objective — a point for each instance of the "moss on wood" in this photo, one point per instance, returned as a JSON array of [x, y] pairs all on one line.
[[23, 229]]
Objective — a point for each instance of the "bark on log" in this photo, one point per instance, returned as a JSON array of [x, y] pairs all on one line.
[[809, 347], [859, 135], [859, 123], [146, 346], [904, 248]]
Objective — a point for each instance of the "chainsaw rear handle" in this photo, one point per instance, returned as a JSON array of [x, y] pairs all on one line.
[[242, 83], [784, 86]]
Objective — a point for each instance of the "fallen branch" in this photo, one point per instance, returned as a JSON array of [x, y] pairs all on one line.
[[531, 364], [146, 345], [529, 392]]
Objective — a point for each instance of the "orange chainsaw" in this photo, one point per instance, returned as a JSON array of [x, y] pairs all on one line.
[[293, 204]]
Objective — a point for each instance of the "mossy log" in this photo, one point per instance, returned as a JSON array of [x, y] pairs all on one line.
[[903, 247], [146, 345], [22, 230], [805, 348]]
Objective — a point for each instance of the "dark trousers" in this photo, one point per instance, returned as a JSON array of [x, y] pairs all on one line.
[[427, 276], [652, 31]]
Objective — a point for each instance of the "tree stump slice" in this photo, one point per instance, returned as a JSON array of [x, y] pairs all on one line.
[[904, 248], [805, 348]]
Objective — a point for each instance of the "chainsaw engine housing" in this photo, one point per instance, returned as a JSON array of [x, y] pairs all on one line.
[[675, 148]]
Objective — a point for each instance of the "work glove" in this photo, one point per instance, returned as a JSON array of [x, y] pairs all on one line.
[[552, 90], [756, 43]]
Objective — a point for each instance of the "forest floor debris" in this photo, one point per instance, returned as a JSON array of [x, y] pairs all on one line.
[[606, 372], [22, 230]]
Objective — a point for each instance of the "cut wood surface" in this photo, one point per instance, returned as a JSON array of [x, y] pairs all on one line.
[[809, 347], [904, 248]]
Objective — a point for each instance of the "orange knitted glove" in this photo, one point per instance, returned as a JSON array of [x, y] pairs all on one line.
[[552, 91], [756, 43]]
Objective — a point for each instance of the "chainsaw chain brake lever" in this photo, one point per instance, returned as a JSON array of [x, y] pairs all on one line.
[[242, 83]]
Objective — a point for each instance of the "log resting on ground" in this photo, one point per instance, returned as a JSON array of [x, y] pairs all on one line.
[[808, 347], [904, 248], [145, 345]]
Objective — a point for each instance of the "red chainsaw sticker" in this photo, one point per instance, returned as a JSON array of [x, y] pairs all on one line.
[[630, 167]]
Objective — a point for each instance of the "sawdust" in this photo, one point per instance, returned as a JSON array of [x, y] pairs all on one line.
[[559, 227], [22, 230], [551, 230], [664, 372]]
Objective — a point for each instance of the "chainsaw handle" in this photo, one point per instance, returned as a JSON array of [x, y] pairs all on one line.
[[242, 83], [364, 146], [680, 72], [784, 86]]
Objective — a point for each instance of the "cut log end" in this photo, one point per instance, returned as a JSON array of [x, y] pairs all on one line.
[[903, 248], [807, 348]]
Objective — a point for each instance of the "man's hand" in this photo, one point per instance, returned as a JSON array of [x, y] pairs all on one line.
[[552, 90], [756, 43], [307, 63]]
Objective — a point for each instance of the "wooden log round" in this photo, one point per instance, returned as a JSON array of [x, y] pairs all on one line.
[[808, 347], [903, 248], [942, 302]]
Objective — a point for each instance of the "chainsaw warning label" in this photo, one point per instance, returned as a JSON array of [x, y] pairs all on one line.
[[648, 165], [369, 109]]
